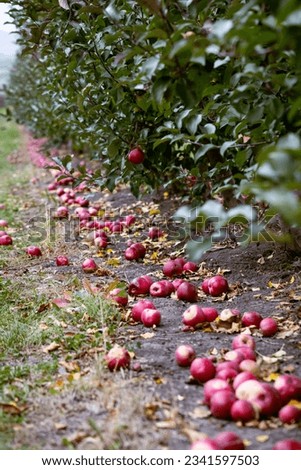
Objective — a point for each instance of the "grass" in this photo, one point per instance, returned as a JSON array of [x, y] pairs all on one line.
[[29, 321]]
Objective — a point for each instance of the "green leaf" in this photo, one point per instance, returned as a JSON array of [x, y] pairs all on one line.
[[226, 146], [193, 122]]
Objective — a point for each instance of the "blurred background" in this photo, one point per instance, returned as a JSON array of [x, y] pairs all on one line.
[[8, 47]]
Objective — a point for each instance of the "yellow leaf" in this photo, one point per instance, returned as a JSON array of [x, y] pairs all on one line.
[[154, 211], [154, 255], [262, 438], [113, 262], [295, 403]]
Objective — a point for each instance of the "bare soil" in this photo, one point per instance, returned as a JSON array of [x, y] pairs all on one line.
[[157, 406]]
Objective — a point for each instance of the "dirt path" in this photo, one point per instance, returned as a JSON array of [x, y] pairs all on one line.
[[79, 404]]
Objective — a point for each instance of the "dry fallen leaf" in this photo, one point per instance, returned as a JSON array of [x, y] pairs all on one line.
[[262, 438], [51, 347], [147, 335], [12, 408]]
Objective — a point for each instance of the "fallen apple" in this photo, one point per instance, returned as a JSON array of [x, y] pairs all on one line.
[[138, 308], [117, 358], [184, 355], [228, 440], [202, 369], [151, 317], [33, 251], [187, 292]]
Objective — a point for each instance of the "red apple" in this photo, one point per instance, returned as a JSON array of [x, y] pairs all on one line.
[[184, 355], [140, 285], [138, 308], [215, 385], [135, 252], [161, 288], [190, 266], [289, 414], [268, 326], [61, 212], [202, 369], [33, 251], [205, 443], [287, 444], [129, 220], [136, 156], [217, 285], [247, 352], [243, 377], [234, 356], [151, 317], [263, 396], [228, 440], [229, 373], [6, 240], [62, 260], [243, 339], [89, 265], [210, 313], [289, 387], [3, 223], [177, 282], [221, 403], [193, 316], [155, 232], [119, 295], [251, 319], [187, 292], [227, 365], [117, 358], [249, 365], [173, 267], [204, 286], [242, 410], [100, 242]]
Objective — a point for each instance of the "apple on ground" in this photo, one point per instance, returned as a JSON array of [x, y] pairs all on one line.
[[150, 317], [119, 295], [187, 292], [118, 358], [140, 285], [185, 354], [33, 250], [193, 316], [89, 265], [205, 443], [173, 267], [243, 410], [243, 339], [228, 440], [268, 326], [161, 288], [138, 308], [214, 385], [221, 403], [263, 396], [62, 260], [202, 369], [287, 444], [251, 319]]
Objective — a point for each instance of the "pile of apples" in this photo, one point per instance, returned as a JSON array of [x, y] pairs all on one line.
[[232, 388]]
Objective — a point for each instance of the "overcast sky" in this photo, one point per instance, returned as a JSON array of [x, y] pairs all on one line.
[[7, 42]]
